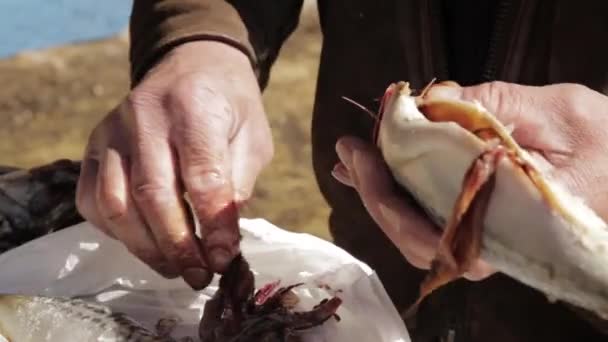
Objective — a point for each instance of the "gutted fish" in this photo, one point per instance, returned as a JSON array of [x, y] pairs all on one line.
[[237, 313], [492, 200]]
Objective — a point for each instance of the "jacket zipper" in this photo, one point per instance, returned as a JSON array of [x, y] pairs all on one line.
[[435, 62], [509, 39], [498, 37]]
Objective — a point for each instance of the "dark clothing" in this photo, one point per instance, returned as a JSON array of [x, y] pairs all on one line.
[[366, 46]]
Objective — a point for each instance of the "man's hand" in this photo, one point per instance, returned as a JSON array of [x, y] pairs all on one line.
[[195, 124], [563, 126]]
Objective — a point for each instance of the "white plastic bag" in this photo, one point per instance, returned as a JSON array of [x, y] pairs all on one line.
[[81, 261]]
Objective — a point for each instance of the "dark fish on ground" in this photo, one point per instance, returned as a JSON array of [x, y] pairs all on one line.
[[37, 201]]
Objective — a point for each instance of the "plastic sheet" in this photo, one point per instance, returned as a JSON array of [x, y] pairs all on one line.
[[82, 262]]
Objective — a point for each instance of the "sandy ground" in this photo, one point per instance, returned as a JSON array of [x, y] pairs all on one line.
[[50, 101]]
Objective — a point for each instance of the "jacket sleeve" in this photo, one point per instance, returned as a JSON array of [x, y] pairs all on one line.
[[257, 28]]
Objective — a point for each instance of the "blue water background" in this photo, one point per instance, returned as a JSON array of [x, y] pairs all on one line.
[[40, 24]]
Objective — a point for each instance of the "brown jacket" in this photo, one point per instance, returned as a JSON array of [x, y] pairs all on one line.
[[367, 45]]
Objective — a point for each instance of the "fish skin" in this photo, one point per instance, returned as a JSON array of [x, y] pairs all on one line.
[[49, 319], [535, 230], [36, 202]]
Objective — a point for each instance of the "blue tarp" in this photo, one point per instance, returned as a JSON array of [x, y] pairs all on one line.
[[39, 24]]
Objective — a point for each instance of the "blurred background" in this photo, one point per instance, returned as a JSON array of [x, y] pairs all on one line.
[[63, 66]]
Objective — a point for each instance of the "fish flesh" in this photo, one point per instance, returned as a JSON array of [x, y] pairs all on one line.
[[491, 199], [238, 313]]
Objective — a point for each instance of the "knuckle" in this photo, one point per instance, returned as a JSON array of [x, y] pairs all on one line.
[[505, 100], [186, 92], [576, 99], [205, 186], [203, 159], [188, 84], [493, 89], [576, 90], [494, 86], [504, 97], [140, 98], [141, 118], [112, 206], [181, 251], [203, 173], [220, 238], [200, 150], [153, 193], [196, 95]]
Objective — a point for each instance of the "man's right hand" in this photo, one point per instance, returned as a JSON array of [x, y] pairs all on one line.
[[194, 124]]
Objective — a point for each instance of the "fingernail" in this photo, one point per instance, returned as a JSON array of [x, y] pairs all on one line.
[[345, 153], [390, 216], [197, 278], [340, 173], [219, 258]]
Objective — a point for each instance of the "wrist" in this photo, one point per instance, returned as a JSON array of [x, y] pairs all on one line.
[[212, 51], [207, 55]]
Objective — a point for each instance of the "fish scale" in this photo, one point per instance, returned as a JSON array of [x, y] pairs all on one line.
[[47, 319]]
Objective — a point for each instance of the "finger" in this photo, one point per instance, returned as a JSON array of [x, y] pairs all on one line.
[[340, 173], [414, 234], [86, 201], [156, 192], [121, 216], [250, 152], [85, 195], [205, 163], [410, 231]]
